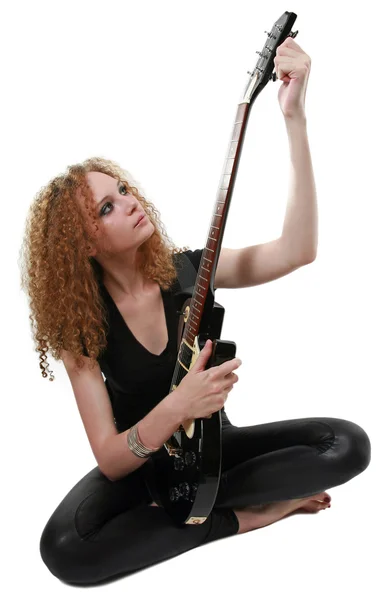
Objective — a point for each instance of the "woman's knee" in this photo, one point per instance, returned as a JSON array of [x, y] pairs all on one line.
[[52, 544], [58, 549], [352, 446], [62, 548], [361, 446]]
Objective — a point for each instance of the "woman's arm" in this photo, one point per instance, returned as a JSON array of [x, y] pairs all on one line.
[[300, 227], [110, 448], [154, 430]]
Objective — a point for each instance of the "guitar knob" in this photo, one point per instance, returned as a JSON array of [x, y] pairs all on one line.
[[174, 494], [184, 489], [178, 463], [193, 491], [190, 458]]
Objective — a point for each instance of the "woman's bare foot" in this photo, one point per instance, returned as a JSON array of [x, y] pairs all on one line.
[[254, 517]]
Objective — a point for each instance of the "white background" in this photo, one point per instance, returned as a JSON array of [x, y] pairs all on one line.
[[155, 87]]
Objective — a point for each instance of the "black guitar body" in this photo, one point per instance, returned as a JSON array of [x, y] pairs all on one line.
[[184, 475]]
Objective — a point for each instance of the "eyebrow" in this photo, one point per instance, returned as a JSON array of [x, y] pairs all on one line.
[[108, 195]]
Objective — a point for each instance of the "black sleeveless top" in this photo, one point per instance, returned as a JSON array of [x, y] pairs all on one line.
[[136, 379]]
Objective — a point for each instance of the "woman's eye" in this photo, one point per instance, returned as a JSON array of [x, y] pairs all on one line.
[[102, 212]]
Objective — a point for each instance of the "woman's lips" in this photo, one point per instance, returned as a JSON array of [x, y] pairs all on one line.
[[141, 220]]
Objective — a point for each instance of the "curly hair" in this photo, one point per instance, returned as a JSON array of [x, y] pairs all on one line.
[[58, 275]]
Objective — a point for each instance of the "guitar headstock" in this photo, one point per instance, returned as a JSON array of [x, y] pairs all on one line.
[[263, 70]]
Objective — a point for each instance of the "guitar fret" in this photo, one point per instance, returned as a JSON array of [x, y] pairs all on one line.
[[209, 249]]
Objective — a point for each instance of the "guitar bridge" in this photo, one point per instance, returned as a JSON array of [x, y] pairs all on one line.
[[172, 445], [172, 451]]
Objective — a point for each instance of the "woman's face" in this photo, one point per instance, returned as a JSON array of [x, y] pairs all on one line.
[[119, 210]]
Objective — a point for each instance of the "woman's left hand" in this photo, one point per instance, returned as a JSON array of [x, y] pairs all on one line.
[[292, 66]]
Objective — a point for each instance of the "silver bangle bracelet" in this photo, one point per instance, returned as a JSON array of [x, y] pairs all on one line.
[[136, 446]]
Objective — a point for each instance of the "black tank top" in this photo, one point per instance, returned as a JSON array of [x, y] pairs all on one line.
[[136, 379]]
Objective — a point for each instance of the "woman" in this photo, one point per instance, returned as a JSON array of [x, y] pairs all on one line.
[[101, 288]]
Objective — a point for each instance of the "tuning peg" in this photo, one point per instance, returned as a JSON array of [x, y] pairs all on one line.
[[273, 77], [293, 33]]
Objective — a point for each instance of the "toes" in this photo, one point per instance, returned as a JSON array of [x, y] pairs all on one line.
[[323, 497], [316, 505], [324, 505]]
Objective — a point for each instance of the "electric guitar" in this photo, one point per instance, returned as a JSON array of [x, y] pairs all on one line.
[[184, 475]]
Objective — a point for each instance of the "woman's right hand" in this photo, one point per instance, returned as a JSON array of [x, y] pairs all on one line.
[[201, 392]]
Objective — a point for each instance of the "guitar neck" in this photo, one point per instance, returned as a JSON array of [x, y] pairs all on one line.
[[259, 77], [212, 247]]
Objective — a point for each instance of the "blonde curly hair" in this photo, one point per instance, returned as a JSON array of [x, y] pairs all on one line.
[[59, 276]]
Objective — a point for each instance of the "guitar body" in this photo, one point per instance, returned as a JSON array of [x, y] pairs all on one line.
[[183, 477]]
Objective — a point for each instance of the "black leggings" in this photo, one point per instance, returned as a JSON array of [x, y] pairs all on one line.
[[104, 529]]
